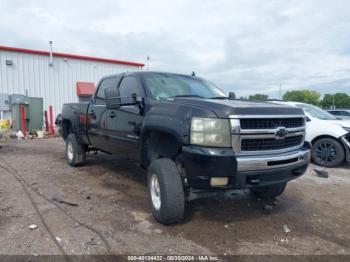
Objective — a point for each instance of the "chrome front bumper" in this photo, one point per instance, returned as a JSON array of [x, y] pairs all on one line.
[[268, 162]]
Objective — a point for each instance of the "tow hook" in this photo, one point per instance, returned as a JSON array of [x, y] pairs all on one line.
[[254, 181]]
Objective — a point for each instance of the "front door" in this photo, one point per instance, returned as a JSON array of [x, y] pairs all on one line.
[[124, 124], [97, 115]]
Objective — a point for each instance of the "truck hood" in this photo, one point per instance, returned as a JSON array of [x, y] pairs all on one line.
[[226, 108]]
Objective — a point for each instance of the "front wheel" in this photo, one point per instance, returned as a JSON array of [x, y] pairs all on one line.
[[270, 191], [327, 152], [166, 193], [75, 152]]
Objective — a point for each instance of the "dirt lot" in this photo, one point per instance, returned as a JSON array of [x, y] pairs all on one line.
[[113, 215]]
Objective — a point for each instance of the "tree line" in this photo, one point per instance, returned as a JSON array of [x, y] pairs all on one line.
[[339, 100]]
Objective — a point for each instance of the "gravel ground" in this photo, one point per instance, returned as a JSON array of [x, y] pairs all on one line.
[[112, 216]]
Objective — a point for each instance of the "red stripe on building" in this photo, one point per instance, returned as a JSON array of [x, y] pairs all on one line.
[[64, 55]]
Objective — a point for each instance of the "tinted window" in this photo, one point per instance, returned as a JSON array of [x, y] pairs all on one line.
[[129, 86], [343, 113], [108, 82]]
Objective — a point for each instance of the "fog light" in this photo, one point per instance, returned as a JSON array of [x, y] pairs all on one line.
[[219, 181]]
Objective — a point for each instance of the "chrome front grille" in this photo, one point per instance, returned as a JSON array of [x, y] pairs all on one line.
[[258, 135]]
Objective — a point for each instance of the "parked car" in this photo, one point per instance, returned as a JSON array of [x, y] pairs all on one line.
[[341, 113], [328, 135], [190, 136]]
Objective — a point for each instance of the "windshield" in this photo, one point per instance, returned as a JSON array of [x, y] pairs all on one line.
[[316, 112], [162, 86]]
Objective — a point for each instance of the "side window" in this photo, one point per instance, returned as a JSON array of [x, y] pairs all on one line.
[[128, 86], [108, 82]]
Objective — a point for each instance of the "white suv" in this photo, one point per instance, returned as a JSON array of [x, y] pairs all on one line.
[[328, 135]]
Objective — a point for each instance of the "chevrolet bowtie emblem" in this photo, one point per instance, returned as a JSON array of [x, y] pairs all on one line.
[[281, 133]]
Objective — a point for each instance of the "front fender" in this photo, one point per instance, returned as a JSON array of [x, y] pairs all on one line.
[[173, 118], [173, 126], [317, 128]]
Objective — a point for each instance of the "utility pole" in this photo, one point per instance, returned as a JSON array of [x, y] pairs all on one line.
[[280, 91], [51, 55], [147, 64]]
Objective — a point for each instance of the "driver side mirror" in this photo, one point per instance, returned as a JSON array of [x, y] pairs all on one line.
[[113, 100], [232, 95]]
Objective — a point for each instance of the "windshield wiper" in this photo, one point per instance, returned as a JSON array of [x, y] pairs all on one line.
[[219, 97], [188, 96], [214, 97]]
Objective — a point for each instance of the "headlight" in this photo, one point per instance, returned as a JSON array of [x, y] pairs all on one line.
[[210, 132]]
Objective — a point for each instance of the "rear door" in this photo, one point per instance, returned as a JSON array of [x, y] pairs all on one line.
[[97, 115], [124, 124]]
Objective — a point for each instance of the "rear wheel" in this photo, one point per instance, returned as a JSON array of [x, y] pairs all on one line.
[[327, 152], [75, 152], [270, 191], [166, 193]]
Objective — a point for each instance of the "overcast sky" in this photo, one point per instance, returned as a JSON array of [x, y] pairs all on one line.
[[242, 46]]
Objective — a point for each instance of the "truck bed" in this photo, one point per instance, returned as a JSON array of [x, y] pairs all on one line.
[[76, 114]]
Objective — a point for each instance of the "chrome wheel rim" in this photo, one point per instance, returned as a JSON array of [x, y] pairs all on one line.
[[326, 152], [70, 151], [155, 192]]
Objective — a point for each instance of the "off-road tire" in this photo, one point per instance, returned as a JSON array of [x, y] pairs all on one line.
[[270, 191], [172, 198], [327, 152], [75, 152]]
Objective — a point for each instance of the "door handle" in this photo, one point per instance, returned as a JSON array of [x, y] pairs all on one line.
[[93, 114], [112, 114]]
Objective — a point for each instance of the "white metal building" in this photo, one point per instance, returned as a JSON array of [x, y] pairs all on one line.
[[31, 73]]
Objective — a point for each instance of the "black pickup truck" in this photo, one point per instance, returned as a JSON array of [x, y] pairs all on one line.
[[190, 137]]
